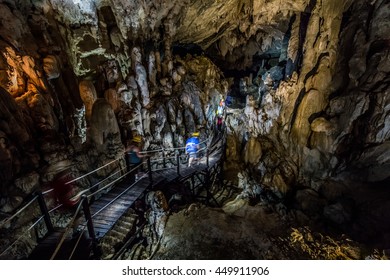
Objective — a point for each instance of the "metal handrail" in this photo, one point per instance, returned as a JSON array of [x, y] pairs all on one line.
[[163, 150], [106, 186], [91, 172], [96, 184], [126, 190], [84, 175]]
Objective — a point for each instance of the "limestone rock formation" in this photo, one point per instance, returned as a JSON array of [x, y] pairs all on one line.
[[306, 87]]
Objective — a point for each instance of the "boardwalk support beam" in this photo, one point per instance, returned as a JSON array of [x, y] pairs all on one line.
[[150, 172], [164, 160], [207, 158], [45, 212], [88, 218], [178, 163]]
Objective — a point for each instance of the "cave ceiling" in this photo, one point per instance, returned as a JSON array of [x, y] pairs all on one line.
[[92, 31]]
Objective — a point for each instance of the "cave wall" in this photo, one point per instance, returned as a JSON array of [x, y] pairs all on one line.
[[322, 129], [80, 78], [75, 90], [328, 118]]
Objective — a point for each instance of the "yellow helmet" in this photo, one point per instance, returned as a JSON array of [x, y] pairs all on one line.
[[195, 134], [137, 139]]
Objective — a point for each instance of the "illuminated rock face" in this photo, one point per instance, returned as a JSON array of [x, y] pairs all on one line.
[[306, 88]]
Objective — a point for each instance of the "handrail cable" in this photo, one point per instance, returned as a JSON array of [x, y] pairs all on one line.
[[89, 173], [20, 236], [109, 184], [84, 175], [79, 194], [6, 220], [105, 178]]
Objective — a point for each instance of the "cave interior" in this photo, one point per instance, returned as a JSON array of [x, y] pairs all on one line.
[[305, 88]]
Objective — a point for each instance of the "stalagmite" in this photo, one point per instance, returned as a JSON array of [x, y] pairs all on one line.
[[112, 97], [104, 126], [88, 95], [140, 76], [152, 69]]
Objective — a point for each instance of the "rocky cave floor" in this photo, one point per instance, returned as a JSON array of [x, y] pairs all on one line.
[[243, 228]]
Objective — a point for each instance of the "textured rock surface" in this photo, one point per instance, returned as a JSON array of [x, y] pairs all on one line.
[[188, 235], [306, 86]]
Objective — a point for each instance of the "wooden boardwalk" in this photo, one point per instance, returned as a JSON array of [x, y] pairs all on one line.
[[106, 210], [109, 207]]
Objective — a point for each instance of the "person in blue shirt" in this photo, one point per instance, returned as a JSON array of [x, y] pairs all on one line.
[[192, 147]]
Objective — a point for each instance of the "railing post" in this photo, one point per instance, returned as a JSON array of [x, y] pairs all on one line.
[[193, 189], [221, 162], [207, 157], [45, 212], [150, 171], [164, 161], [178, 163], [88, 218], [207, 185]]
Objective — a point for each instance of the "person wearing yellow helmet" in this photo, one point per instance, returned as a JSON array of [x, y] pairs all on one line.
[[137, 139], [192, 147], [134, 156]]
